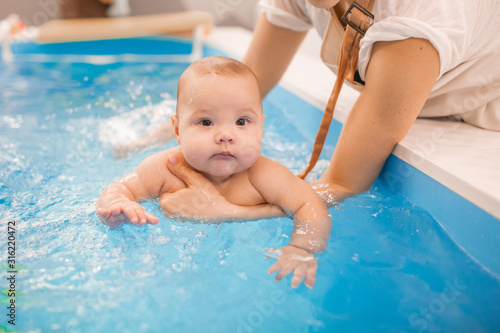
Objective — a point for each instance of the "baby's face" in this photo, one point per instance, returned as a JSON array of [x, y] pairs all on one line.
[[219, 123]]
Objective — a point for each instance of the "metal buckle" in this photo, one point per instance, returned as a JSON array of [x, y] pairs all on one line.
[[369, 19]]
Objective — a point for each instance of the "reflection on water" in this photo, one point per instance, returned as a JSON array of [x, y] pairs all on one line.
[[388, 268]]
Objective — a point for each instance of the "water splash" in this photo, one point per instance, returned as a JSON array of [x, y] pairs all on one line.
[[385, 260]]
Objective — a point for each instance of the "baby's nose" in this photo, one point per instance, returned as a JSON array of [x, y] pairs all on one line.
[[224, 136]]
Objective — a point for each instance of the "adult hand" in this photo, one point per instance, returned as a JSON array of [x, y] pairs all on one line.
[[199, 200]]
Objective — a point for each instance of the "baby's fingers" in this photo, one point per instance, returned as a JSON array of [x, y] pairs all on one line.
[[131, 214], [141, 215], [298, 276], [107, 217], [311, 276], [287, 269], [103, 213], [151, 218], [274, 268], [117, 214], [276, 251]]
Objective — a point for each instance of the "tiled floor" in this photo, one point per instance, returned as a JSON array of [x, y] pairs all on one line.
[[462, 157]]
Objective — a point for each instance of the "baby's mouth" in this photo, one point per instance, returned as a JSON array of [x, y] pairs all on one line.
[[223, 155]]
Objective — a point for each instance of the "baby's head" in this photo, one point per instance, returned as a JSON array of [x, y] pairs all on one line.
[[219, 120]]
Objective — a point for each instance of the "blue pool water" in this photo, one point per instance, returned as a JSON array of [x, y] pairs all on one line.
[[389, 266]]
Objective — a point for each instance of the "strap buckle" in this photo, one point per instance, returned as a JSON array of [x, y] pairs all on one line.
[[369, 18]]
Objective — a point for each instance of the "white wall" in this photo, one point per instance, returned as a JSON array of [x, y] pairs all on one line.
[[225, 12], [228, 12], [32, 12]]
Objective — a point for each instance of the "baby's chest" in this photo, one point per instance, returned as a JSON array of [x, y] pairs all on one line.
[[242, 193]]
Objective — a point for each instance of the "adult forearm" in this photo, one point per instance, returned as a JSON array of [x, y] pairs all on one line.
[[191, 203], [250, 213], [399, 79], [361, 152], [271, 51]]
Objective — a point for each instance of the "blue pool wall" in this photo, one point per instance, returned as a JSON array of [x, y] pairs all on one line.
[[474, 230], [140, 45]]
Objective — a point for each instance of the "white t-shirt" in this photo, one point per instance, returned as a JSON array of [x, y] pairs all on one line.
[[465, 33]]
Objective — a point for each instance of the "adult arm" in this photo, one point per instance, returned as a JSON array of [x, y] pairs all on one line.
[[399, 79], [202, 200], [271, 51]]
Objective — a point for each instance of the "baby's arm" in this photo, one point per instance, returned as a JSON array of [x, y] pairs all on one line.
[[119, 201], [312, 221]]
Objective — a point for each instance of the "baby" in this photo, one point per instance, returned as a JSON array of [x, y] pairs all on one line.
[[219, 125]]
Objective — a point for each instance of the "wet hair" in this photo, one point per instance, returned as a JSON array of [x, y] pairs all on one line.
[[217, 65]]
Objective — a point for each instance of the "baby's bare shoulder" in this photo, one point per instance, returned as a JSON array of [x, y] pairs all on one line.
[[278, 185], [154, 169], [267, 165], [161, 157], [266, 172]]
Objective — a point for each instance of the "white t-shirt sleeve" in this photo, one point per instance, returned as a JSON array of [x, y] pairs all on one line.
[[445, 24], [400, 28], [286, 14]]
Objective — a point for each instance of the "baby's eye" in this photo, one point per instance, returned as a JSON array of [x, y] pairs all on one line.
[[242, 122], [205, 122]]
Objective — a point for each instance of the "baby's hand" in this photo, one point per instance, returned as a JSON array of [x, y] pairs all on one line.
[[302, 263], [125, 212]]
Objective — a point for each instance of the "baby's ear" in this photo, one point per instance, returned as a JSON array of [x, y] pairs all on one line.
[[175, 126]]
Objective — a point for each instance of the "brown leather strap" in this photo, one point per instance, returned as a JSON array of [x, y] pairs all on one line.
[[358, 22]]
